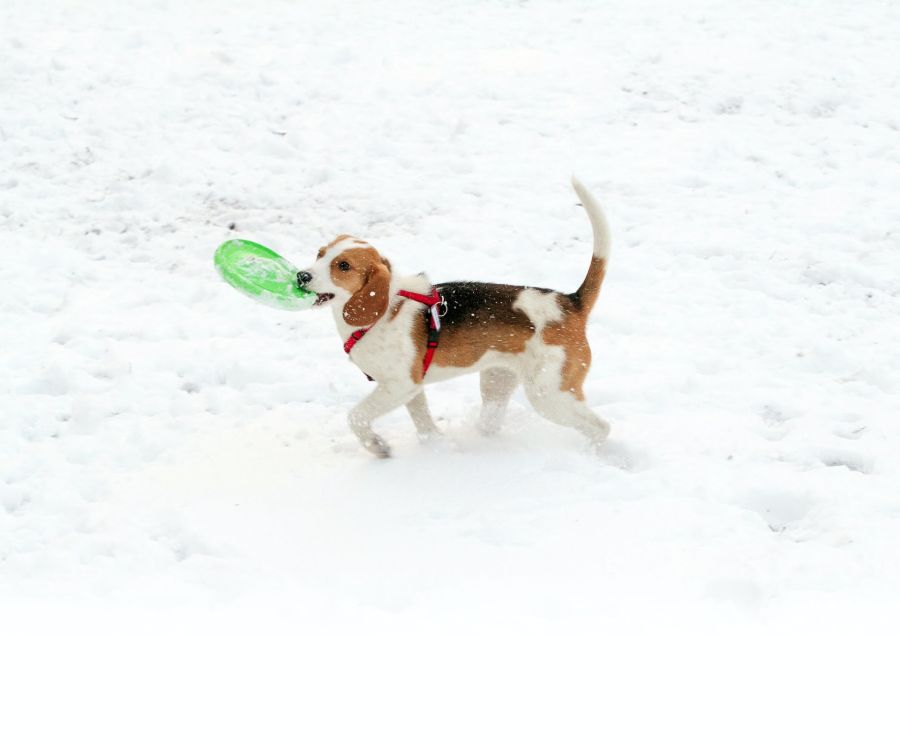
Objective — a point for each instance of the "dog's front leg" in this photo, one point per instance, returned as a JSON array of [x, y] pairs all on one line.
[[421, 416], [382, 400]]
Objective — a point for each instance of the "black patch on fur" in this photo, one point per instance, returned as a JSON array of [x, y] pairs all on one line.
[[475, 303], [571, 303]]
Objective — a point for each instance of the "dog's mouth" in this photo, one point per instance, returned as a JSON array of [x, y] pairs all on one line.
[[323, 298]]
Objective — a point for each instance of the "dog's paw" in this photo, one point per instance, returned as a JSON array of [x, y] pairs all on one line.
[[488, 428], [490, 421], [430, 434], [378, 446]]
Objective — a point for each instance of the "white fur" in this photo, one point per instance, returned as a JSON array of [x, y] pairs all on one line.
[[386, 353], [540, 307], [600, 227], [497, 386]]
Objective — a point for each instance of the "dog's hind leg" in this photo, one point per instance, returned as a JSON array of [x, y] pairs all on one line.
[[421, 416], [497, 386], [566, 410], [563, 403], [382, 400]]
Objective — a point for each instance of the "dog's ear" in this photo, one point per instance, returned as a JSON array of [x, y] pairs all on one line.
[[370, 303]]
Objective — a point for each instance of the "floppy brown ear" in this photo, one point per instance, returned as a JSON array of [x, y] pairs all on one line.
[[370, 303]]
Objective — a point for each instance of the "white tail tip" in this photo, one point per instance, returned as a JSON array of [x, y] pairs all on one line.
[[598, 220]]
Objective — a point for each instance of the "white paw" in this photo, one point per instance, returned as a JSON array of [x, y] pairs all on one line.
[[378, 446], [489, 425], [491, 419]]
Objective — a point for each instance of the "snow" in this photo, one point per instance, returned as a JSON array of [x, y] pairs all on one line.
[[173, 455]]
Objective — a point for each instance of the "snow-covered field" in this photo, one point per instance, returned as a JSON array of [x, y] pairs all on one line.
[[172, 454]]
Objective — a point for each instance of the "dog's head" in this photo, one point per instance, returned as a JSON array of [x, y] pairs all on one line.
[[352, 274]]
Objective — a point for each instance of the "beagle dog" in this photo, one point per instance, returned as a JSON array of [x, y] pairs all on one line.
[[404, 332]]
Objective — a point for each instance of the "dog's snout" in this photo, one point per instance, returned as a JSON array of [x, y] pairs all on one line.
[[303, 278]]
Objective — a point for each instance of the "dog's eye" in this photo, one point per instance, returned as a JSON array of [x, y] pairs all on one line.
[[344, 266]]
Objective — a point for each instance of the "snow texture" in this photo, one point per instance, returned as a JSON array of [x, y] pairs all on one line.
[[167, 445]]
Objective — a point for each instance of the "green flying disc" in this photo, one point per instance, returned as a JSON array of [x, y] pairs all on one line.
[[262, 274]]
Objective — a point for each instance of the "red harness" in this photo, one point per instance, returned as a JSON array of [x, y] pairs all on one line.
[[433, 301]]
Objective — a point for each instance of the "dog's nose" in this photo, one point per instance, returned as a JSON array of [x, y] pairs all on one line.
[[303, 278]]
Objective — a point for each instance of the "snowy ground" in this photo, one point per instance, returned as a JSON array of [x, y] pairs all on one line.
[[170, 449]]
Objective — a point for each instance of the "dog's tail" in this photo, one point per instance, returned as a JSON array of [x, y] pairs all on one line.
[[589, 290]]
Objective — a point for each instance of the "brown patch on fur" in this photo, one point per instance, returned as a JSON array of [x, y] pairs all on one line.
[[368, 279], [396, 309], [480, 318], [570, 333]]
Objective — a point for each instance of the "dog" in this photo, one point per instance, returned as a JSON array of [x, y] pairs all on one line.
[[404, 332]]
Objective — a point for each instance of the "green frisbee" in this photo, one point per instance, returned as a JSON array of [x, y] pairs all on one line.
[[262, 275]]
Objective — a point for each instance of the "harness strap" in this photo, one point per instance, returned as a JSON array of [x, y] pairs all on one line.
[[427, 299], [433, 301], [355, 337]]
